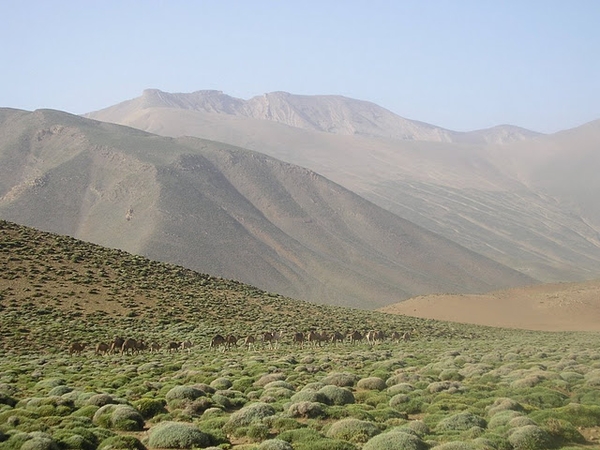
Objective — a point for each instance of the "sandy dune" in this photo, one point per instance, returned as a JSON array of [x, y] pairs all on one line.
[[548, 307]]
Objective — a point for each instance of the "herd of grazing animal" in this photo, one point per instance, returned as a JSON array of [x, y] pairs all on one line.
[[270, 340]]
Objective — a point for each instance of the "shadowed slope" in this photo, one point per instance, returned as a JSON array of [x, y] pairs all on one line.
[[226, 211], [528, 204]]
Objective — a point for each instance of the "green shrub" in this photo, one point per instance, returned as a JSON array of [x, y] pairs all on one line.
[[563, 432], [198, 406], [503, 404], [100, 400], [401, 388], [60, 390], [119, 417], [275, 444], [310, 439], [419, 427], [520, 421], [40, 441], [353, 430], [309, 395], [221, 383], [371, 384], [399, 400], [574, 413], [279, 384], [340, 379], [502, 418], [530, 437], [457, 445], [268, 378], [50, 383], [150, 407], [121, 442], [460, 422], [86, 411], [308, 410], [177, 435], [182, 393], [395, 440], [251, 413], [337, 395], [257, 431], [277, 393]]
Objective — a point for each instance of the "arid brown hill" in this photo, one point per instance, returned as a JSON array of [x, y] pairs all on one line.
[[225, 211], [520, 198], [546, 307]]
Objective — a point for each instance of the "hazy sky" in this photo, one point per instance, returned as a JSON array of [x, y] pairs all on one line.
[[462, 65]]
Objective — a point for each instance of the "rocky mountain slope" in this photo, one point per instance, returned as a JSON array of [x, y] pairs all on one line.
[[225, 211], [520, 198]]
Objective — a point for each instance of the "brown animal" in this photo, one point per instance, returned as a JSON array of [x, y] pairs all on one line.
[[130, 346], [395, 336], [186, 345], [336, 337], [173, 346], [249, 341], [298, 338], [356, 337], [217, 341], [116, 344], [102, 348], [230, 341], [314, 338], [271, 338], [406, 336], [76, 348], [374, 336], [154, 347]]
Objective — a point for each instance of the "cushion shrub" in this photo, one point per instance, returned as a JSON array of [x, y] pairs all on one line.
[[177, 435], [395, 440], [353, 430]]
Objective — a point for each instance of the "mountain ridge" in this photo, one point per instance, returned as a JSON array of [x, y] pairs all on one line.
[[328, 113], [220, 209]]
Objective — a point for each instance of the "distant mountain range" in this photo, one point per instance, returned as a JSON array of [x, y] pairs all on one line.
[[226, 211], [526, 200], [328, 113]]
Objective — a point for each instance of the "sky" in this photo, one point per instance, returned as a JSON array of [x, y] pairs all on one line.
[[459, 64]]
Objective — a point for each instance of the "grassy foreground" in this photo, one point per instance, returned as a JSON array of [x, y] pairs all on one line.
[[451, 387]]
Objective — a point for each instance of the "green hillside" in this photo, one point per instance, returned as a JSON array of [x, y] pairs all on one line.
[[450, 386]]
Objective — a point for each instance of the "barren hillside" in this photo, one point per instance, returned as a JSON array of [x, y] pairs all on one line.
[[225, 211], [521, 199], [549, 307]]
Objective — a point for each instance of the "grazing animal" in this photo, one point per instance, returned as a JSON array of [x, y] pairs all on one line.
[[298, 338], [314, 338], [272, 338], [336, 337], [249, 341], [102, 348], [406, 336], [116, 344], [374, 336], [76, 348], [230, 341], [140, 346], [154, 347], [130, 345], [186, 345], [356, 337], [395, 336], [173, 346], [217, 341]]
